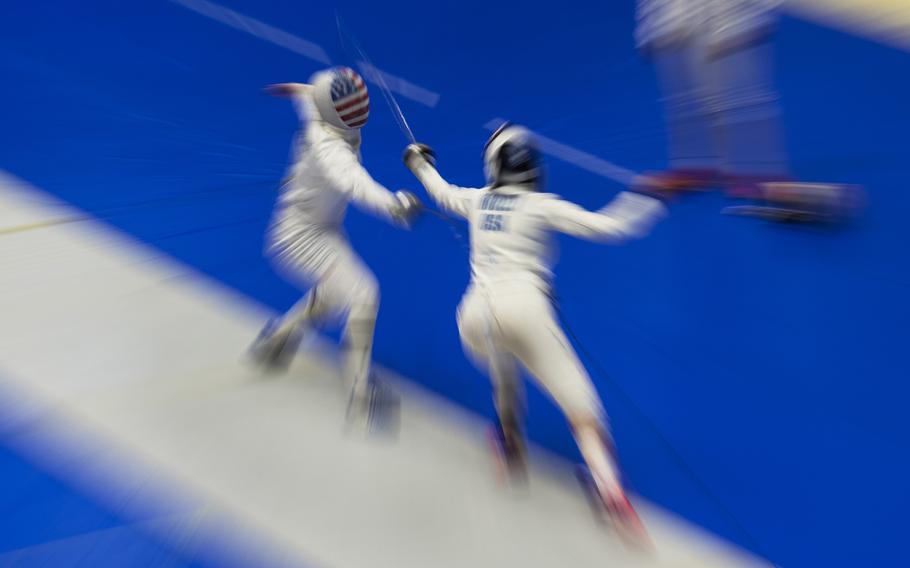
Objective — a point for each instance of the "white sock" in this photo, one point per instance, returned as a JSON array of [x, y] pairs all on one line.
[[600, 462], [358, 345]]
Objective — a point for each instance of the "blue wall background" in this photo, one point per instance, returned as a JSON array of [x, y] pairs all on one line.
[[771, 358]]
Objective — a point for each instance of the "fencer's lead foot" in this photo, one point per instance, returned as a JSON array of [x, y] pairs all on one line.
[[274, 351], [626, 521]]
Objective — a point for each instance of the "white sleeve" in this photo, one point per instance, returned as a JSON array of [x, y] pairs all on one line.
[[451, 198], [349, 177], [629, 216]]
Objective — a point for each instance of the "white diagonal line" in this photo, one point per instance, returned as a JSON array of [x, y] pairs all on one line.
[[399, 85], [256, 28], [306, 48], [577, 157]]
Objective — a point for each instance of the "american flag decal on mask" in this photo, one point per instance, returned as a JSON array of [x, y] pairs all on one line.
[[350, 97]]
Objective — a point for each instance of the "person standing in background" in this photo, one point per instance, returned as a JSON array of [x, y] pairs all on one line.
[[714, 65]]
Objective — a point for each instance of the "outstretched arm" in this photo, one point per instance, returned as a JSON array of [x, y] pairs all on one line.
[[630, 215], [352, 179], [456, 200]]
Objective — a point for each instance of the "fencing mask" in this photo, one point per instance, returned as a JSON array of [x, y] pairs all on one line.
[[511, 156], [341, 97]]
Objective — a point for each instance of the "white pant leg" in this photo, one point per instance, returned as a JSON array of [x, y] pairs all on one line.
[[321, 258], [524, 321], [343, 287], [529, 330], [350, 290], [484, 348]]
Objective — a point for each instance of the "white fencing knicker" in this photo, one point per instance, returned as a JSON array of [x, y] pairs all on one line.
[[515, 322]]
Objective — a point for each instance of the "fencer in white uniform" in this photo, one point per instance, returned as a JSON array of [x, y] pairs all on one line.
[[507, 317], [306, 239]]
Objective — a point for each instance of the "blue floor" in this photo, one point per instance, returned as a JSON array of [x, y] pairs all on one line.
[[52, 523], [755, 374]]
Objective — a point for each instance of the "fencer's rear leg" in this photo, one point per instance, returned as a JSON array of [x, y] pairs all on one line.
[[507, 436], [550, 358], [372, 404], [601, 480], [275, 346]]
